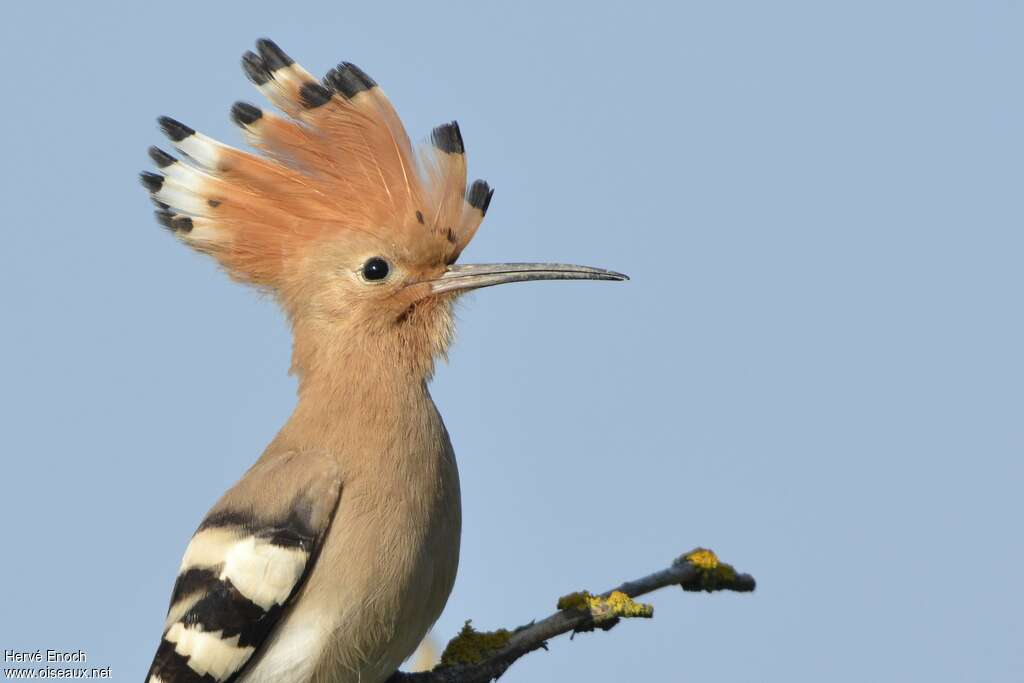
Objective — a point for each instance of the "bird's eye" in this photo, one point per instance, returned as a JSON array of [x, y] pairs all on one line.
[[376, 269]]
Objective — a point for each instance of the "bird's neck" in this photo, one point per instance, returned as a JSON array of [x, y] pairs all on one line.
[[351, 387]]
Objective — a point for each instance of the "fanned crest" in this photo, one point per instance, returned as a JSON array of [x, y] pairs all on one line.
[[336, 158]]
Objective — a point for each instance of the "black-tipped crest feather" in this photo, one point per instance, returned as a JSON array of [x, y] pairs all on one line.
[[448, 138], [348, 80], [164, 218], [173, 221], [175, 130], [273, 56], [479, 195], [255, 70], [151, 181], [245, 114], [161, 158], [314, 95]]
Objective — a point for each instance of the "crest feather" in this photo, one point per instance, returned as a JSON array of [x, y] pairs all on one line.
[[336, 159]]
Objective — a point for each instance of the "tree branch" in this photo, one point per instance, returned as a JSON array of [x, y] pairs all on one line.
[[475, 657]]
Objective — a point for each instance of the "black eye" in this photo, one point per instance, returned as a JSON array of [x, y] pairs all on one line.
[[376, 269]]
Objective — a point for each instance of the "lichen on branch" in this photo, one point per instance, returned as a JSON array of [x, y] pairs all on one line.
[[713, 574], [472, 646], [481, 657], [605, 608]]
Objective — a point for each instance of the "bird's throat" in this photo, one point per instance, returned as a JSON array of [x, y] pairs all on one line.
[[351, 386]]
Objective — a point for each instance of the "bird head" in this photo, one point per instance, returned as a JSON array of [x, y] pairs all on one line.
[[354, 231]]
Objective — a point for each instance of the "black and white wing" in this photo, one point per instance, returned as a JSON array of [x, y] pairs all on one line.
[[243, 566]]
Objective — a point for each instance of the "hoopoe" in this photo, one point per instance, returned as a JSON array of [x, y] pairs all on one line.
[[334, 554]]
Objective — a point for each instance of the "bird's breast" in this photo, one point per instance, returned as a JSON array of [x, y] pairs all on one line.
[[385, 570]]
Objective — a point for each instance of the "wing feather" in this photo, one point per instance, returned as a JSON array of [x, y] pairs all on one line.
[[242, 568]]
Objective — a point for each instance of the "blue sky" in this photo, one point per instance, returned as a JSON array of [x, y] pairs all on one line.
[[815, 370]]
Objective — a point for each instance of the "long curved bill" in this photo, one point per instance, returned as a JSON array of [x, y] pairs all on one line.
[[474, 276]]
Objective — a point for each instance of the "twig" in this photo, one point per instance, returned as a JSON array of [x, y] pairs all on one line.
[[474, 657]]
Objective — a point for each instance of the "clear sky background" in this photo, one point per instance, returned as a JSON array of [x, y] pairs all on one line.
[[816, 369]]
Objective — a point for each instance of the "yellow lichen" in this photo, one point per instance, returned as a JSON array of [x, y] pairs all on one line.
[[712, 575], [602, 609], [472, 646], [703, 558], [624, 606]]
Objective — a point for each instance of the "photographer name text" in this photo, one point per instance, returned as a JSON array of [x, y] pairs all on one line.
[[35, 656]]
